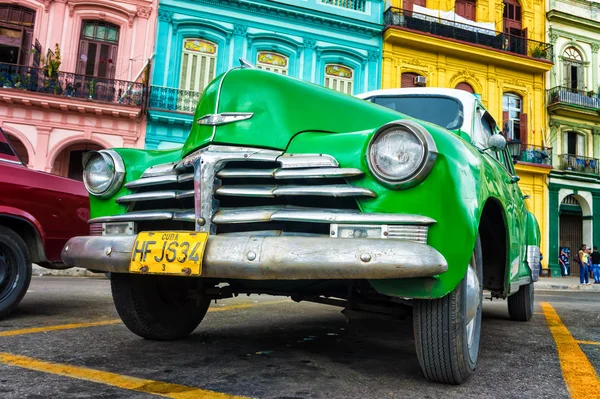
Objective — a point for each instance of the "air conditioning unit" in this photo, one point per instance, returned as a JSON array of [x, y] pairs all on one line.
[[420, 81]]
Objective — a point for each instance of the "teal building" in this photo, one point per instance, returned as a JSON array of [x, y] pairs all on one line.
[[333, 43]]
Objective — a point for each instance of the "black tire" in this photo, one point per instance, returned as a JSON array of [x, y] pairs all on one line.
[[158, 307], [445, 352], [15, 270], [520, 304]]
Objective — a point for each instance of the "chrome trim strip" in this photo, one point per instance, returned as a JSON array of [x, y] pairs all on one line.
[[235, 117], [246, 191], [160, 170], [241, 173], [137, 216], [276, 258], [155, 195], [307, 161], [332, 190], [218, 99], [316, 173], [245, 215], [152, 181]]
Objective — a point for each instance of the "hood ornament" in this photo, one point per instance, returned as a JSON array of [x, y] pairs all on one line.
[[223, 118], [247, 64]]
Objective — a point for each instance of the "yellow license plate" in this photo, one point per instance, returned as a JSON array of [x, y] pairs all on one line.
[[168, 252]]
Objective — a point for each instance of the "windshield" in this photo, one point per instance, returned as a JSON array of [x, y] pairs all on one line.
[[443, 111]]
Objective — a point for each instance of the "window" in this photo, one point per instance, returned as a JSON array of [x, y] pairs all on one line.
[[444, 111], [514, 121], [515, 40], [16, 34], [98, 47], [466, 8], [573, 69], [409, 79], [339, 78], [484, 127], [273, 62], [198, 64], [574, 143], [358, 5], [465, 86]]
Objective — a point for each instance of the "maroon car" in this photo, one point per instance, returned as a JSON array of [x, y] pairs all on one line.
[[39, 212]]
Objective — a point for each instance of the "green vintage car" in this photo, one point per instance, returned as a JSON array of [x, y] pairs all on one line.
[[288, 188]]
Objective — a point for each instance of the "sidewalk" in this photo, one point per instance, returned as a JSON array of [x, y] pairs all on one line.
[[72, 272], [570, 283]]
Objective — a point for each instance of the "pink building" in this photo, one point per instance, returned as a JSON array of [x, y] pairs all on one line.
[[94, 98]]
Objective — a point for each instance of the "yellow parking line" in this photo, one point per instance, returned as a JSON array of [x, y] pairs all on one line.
[[117, 321], [588, 342], [579, 374], [59, 327], [164, 389]]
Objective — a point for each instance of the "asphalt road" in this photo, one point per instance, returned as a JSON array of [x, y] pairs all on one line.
[[269, 347]]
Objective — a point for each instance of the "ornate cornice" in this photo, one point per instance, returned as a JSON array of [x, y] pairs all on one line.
[[165, 16], [373, 55], [240, 29], [144, 11], [302, 18], [309, 42]]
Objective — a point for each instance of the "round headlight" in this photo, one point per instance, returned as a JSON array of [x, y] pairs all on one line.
[[401, 153], [103, 173]]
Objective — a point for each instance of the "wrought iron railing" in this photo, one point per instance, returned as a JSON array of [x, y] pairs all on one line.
[[536, 154], [468, 33], [582, 98], [357, 5], [578, 163], [65, 84], [171, 99]]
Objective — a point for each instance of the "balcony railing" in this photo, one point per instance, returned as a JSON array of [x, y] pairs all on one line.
[[577, 163], [356, 5], [467, 33], [566, 95], [170, 99], [536, 154], [64, 84]]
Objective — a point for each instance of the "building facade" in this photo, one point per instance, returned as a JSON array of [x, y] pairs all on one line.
[[574, 124], [335, 43], [72, 77], [493, 48]]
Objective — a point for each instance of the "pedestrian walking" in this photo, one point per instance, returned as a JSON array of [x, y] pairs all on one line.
[[596, 265], [563, 258], [583, 260]]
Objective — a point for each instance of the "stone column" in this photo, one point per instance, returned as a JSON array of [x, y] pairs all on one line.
[[239, 37], [553, 39], [309, 44], [164, 26], [373, 72], [41, 148], [553, 209], [596, 213], [595, 47]]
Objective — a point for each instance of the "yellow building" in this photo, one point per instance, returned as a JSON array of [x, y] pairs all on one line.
[[493, 48]]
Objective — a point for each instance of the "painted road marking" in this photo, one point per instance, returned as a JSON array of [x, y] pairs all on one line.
[[164, 389], [579, 374], [118, 321], [588, 343]]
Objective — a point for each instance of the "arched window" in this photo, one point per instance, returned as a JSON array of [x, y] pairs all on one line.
[[16, 34], [513, 118], [273, 62], [98, 45], [465, 86], [410, 79], [339, 78], [198, 64], [573, 69]]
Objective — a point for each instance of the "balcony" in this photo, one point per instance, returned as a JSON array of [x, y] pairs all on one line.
[[169, 99], [580, 98], [579, 164], [356, 5], [535, 154], [399, 18], [25, 79]]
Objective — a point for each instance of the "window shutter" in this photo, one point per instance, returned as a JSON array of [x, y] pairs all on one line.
[[83, 49], [523, 128], [580, 145], [580, 84], [112, 56], [505, 126]]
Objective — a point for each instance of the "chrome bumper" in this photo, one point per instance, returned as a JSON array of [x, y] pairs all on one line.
[[276, 258]]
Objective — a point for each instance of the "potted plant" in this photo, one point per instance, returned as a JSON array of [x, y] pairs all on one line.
[[539, 51]]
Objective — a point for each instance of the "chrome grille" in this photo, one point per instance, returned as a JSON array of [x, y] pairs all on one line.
[[223, 189]]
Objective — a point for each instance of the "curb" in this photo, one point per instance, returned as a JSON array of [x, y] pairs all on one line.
[[564, 287], [73, 272]]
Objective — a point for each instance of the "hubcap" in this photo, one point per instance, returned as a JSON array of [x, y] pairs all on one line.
[[473, 304]]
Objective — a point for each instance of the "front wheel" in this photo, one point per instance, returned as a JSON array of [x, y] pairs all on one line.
[[159, 307], [520, 304], [15, 270], [447, 330]]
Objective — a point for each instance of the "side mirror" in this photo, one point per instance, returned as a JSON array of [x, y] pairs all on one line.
[[497, 143]]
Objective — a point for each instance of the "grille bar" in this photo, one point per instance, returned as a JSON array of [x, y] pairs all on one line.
[[156, 195], [279, 173], [160, 180], [333, 190]]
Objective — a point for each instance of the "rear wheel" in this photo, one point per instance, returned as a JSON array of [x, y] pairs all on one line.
[[15, 270], [447, 330], [520, 304], [159, 307]]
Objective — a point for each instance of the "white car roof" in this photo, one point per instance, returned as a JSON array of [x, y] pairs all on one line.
[[467, 99]]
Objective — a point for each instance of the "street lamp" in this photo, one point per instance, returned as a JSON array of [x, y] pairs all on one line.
[[514, 148]]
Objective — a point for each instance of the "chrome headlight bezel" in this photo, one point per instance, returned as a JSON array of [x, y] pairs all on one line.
[[426, 164], [115, 162]]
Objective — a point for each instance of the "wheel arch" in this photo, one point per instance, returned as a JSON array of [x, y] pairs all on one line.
[[494, 246], [28, 230]]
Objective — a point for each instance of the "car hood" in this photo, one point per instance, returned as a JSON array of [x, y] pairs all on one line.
[[282, 107]]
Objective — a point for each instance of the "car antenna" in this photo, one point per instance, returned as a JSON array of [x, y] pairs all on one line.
[[246, 64]]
